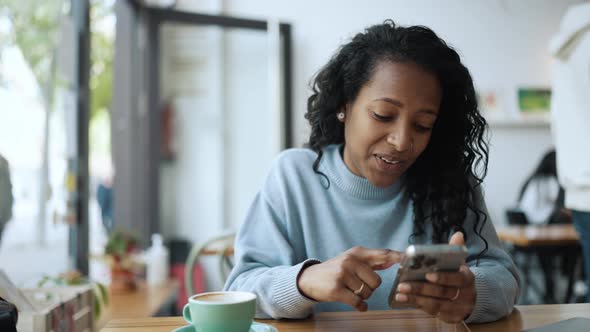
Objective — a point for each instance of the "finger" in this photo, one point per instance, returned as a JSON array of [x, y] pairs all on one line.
[[359, 288], [346, 296], [358, 277], [368, 276], [457, 239], [430, 305], [463, 278], [427, 289], [377, 259], [350, 280]]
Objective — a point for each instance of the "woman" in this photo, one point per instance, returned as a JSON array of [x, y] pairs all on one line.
[[395, 140], [541, 196]]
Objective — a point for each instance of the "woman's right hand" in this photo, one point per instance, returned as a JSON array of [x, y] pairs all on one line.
[[340, 278]]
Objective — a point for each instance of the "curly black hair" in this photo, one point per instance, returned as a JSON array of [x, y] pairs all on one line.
[[443, 181]]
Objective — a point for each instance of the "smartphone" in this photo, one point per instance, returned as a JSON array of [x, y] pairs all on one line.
[[422, 259]]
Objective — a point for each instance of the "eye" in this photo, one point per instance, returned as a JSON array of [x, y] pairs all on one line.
[[423, 129], [381, 118]]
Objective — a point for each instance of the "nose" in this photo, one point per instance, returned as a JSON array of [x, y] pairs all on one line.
[[401, 138]]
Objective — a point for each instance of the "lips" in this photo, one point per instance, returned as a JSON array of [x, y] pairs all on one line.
[[390, 159], [389, 164]]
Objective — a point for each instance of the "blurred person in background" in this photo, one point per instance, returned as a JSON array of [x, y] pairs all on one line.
[[541, 201], [570, 111], [104, 196], [541, 196], [6, 198]]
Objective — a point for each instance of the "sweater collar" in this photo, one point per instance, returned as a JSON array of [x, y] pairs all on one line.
[[357, 186]]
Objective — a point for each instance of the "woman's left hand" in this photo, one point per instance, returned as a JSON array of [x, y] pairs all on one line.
[[448, 295]]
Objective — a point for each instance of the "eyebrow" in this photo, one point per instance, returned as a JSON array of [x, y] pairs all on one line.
[[400, 104]]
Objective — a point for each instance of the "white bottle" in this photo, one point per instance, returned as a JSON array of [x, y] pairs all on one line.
[[157, 262]]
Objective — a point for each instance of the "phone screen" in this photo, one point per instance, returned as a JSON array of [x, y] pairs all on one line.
[[422, 259]]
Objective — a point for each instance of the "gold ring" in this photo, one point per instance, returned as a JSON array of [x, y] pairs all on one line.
[[358, 291], [456, 294]]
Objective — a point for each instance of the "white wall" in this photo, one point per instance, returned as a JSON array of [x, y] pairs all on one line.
[[503, 43], [250, 122], [191, 193], [223, 127], [218, 83]]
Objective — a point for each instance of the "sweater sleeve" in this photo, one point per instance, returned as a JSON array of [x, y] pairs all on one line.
[[497, 279], [265, 264]]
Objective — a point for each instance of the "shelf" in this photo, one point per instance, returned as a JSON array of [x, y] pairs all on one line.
[[519, 123]]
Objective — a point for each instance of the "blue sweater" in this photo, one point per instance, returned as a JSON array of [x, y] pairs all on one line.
[[294, 221]]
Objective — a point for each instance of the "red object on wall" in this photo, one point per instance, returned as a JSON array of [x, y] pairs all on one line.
[[167, 132]]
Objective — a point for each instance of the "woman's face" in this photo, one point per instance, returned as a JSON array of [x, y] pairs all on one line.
[[389, 124]]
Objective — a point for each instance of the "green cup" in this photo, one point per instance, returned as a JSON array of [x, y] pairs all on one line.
[[220, 311]]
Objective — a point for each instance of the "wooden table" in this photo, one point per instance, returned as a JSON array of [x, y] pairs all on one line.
[[532, 235], [143, 303], [523, 317], [545, 241]]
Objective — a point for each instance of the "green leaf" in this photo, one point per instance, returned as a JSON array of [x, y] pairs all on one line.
[[97, 309], [103, 292]]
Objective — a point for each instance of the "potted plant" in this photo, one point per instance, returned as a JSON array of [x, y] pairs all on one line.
[[75, 278], [121, 254]]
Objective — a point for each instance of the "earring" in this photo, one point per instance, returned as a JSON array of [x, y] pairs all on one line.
[[340, 116]]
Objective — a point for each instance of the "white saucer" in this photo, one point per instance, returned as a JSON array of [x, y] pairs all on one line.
[[255, 327]]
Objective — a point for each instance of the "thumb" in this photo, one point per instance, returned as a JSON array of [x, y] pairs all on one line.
[[457, 239]]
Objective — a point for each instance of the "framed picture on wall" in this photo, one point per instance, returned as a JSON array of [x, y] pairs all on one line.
[[534, 102], [489, 104], [527, 106]]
